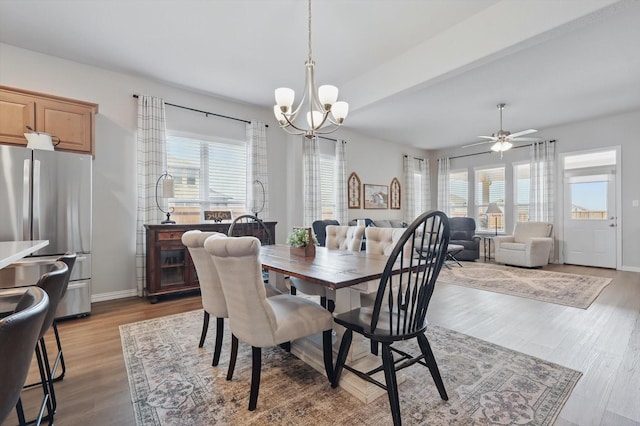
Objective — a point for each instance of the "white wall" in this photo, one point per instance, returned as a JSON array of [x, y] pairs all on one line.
[[114, 168], [622, 129]]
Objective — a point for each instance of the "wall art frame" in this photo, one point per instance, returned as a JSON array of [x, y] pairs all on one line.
[[354, 191], [376, 196], [395, 194]]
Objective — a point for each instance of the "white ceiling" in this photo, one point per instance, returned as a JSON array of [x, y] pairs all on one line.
[[427, 73]]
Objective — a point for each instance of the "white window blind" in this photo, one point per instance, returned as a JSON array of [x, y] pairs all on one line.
[[458, 193], [327, 186], [208, 174], [490, 188]]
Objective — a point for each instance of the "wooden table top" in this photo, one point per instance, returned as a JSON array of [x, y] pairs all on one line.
[[331, 268]]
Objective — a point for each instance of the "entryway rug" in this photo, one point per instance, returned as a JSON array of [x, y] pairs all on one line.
[[172, 382], [578, 291]]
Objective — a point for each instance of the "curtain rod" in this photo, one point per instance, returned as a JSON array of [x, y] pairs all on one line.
[[415, 158], [489, 152], [207, 113]]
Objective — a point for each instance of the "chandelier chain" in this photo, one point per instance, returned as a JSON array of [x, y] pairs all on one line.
[[309, 22]]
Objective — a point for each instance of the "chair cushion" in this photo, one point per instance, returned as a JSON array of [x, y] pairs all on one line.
[[298, 317], [513, 246]]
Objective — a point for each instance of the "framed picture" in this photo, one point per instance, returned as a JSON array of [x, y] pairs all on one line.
[[376, 196], [353, 191], [394, 194]]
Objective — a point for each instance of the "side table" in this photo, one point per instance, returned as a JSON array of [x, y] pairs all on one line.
[[486, 241]]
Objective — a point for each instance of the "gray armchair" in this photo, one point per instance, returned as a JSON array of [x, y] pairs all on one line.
[[463, 233]]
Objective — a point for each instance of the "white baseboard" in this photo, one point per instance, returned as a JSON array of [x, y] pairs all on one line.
[[113, 295], [630, 268]]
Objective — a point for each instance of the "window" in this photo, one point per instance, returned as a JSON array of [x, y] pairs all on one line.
[[490, 188], [522, 173], [458, 193], [327, 186], [208, 175]]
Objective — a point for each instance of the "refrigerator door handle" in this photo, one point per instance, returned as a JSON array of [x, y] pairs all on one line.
[[36, 199], [26, 217]]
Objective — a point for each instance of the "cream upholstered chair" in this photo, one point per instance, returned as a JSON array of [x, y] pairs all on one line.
[[256, 319], [338, 238], [213, 301], [529, 246]]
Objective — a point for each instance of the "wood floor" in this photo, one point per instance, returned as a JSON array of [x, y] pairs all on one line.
[[603, 342]]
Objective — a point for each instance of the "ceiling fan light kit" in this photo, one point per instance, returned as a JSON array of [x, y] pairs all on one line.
[[503, 140]]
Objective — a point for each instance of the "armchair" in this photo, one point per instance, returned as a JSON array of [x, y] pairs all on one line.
[[463, 233], [529, 246]]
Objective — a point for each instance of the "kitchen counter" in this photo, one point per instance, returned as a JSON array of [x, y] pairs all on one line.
[[10, 251]]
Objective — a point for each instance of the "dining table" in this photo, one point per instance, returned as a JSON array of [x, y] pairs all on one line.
[[345, 275]]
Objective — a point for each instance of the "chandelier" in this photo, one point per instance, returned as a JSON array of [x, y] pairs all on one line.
[[324, 112]]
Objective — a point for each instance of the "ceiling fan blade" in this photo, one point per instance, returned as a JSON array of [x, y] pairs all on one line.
[[493, 138], [477, 143], [526, 140], [522, 133]]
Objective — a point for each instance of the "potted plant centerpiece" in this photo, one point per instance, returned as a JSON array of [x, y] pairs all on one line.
[[302, 242]]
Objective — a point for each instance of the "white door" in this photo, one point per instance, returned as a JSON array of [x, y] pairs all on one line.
[[590, 218]]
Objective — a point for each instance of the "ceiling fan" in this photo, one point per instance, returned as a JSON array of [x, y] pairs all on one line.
[[503, 139]]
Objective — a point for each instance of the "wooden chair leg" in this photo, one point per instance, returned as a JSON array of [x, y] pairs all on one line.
[[256, 366], [374, 348], [327, 352], [342, 356], [205, 327], [392, 384], [218, 346], [232, 357], [433, 366]]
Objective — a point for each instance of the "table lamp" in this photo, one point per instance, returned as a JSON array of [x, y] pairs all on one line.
[[167, 192], [494, 210]]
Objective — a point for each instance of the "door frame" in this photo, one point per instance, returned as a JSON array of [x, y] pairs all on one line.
[[618, 198]]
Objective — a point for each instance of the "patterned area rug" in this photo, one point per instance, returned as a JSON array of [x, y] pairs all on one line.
[[172, 382], [578, 291]]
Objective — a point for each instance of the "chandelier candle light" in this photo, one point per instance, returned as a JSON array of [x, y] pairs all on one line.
[[322, 105]]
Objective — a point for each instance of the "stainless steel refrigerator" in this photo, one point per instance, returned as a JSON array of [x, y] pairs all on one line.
[[46, 195]]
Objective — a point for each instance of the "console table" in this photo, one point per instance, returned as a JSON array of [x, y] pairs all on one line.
[[170, 269]]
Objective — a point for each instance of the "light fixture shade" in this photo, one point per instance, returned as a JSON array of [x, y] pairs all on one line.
[[37, 140], [168, 190], [317, 119], [284, 98], [328, 95], [278, 113], [340, 110], [493, 208]]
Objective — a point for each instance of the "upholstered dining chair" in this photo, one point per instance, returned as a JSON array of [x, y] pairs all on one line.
[[337, 238], [19, 333], [213, 301], [399, 311], [320, 229], [259, 320]]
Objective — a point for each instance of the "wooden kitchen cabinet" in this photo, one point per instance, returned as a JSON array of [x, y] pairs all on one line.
[[70, 120], [170, 269]]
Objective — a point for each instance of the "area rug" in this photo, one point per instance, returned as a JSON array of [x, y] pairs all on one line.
[[172, 382], [578, 291]]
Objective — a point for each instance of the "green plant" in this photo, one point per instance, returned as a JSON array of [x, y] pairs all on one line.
[[300, 237]]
